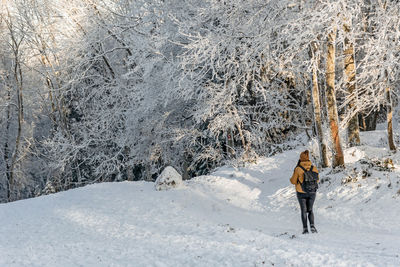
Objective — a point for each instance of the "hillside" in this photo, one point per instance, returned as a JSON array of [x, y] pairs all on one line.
[[235, 217]]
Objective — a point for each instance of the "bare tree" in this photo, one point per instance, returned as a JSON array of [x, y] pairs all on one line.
[[16, 37]]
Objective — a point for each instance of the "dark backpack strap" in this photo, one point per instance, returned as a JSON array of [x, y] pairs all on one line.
[[305, 169], [301, 167]]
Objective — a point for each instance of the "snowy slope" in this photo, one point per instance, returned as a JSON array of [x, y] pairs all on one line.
[[234, 217]]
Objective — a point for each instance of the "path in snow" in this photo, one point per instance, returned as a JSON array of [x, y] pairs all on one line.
[[235, 217]]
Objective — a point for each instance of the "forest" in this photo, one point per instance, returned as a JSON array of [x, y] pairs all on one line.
[[116, 90]]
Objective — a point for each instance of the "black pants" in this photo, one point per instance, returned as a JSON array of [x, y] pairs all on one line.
[[306, 201]]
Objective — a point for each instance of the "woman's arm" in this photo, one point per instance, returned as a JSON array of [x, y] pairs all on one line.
[[295, 177]]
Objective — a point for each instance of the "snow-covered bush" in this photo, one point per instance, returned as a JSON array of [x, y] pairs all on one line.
[[169, 178]]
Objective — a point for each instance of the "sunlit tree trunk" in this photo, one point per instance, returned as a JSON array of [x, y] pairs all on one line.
[[353, 131], [338, 158], [389, 119], [317, 107]]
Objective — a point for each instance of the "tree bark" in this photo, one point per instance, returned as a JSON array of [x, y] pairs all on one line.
[[317, 108], [185, 168], [389, 120], [353, 131], [338, 158], [368, 122], [129, 169], [230, 144], [147, 166]]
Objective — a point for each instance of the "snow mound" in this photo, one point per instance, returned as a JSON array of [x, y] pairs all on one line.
[[169, 178]]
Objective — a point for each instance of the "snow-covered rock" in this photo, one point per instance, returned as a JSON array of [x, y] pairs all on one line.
[[169, 178]]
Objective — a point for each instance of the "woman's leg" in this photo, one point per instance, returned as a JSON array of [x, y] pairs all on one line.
[[303, 207], [309, 203]]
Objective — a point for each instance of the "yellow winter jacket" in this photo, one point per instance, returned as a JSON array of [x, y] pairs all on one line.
[[298, 174]]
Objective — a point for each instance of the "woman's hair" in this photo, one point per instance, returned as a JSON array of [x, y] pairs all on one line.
[[304, 156]]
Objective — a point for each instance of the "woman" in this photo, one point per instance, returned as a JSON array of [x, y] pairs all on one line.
[[306, 199]]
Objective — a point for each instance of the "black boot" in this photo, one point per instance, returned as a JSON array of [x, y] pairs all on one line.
[[305, 231], [313, 229]]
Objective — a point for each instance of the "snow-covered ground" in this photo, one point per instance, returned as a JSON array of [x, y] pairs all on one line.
[[235, 217]]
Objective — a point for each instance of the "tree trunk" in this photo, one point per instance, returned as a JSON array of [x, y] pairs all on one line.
[[338, 158], [241, 135], [6, 148], [389, 120], [44, 60], [246, 146], [353, 131], [317, 108], [17, 72], [368, 122], [230, 144], [185, 169], [148, 176], [129, 169], [20, 118]]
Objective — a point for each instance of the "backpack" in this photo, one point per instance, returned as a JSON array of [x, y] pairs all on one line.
[[310, 183]]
